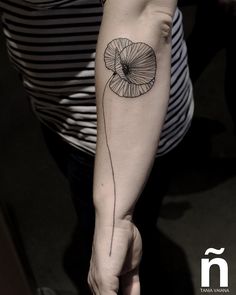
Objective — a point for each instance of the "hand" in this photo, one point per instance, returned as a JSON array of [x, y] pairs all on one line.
[[120, 270]]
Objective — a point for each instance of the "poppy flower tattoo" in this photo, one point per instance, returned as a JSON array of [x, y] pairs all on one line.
[[134, 72]]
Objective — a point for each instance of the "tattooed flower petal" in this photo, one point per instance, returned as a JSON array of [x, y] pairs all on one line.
[[125, 89], [114, 47], [140, 59]]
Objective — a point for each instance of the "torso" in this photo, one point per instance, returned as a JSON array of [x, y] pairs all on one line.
[[52, 44]]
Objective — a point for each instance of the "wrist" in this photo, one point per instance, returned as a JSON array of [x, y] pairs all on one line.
[[105, 214], [103, 219]]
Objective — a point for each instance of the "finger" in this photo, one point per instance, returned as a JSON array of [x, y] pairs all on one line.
[[95, 285], [91, 284], [130, 283], [92, 281]]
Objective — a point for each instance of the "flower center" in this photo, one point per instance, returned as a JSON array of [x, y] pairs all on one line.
[[126, 69]]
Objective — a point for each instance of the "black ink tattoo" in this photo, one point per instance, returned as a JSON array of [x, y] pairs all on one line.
[[134, 72], [133, 66]]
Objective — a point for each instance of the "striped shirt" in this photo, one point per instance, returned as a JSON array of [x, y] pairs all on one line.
[[52, 44]]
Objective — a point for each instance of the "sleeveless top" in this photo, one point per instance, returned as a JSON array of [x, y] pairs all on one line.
[[52, 44]]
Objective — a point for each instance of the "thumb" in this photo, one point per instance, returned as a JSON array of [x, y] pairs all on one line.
[[130, 283]]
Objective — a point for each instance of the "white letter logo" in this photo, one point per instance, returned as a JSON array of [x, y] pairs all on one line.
[[206, 265]]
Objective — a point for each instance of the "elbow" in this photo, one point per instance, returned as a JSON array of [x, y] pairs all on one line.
[[158, 16], [161, 11], [165, 7]]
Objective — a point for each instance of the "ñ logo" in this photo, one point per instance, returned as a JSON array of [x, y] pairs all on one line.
[[206, 266]]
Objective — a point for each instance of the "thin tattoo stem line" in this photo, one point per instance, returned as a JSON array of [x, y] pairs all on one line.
[[134, 70], [112, 166]]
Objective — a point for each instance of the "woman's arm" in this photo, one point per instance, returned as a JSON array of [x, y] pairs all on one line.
[[132, 89]]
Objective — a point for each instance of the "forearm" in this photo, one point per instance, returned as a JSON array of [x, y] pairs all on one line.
[[130, 118]]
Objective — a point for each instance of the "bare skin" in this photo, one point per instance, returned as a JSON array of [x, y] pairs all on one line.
[[132, 99]]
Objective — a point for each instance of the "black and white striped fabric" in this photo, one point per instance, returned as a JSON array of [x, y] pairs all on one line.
[[52, 44]]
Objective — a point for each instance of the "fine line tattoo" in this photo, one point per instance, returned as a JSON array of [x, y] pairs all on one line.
[[134, 69]]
